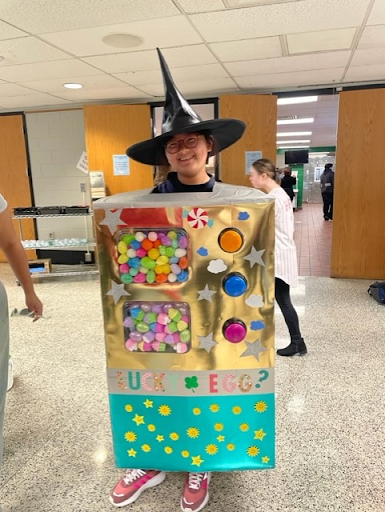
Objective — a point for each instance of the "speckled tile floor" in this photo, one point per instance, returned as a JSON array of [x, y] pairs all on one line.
[[330, 413]]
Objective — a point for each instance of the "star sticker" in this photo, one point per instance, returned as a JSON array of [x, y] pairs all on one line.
[[253, 349], [221, 438], [265, 460], [112, 220], [255, 257], [207, 342], [160, 438], [131, 453], [117, 291], [139, 420], [148, 403], [197, 461], [206, 294], [259, 434]]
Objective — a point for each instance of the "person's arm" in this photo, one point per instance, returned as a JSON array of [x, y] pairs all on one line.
[[17, 258]]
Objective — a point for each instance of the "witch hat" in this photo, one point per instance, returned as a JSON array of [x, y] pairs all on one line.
[[180, 117]]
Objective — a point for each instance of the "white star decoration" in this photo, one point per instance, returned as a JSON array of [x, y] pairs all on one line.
[[255, 257], [207, 342], [117, 291], [112, 219], [206, 294], [253, 349]]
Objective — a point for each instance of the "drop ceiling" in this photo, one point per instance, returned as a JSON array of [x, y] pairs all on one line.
[[212, 47]]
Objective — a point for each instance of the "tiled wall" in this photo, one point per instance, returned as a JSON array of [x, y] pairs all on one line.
[[56, 142]]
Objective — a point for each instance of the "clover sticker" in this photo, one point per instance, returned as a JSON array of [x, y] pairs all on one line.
[[191, 383]]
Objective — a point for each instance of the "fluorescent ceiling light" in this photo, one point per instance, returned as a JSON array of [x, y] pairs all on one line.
[[302, 120], [297, 99], [293, 147], [72, 86], [302, 141], [293, 134]]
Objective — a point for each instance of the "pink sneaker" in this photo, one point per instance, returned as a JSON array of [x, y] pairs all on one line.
[[196, 492], [134, 482]]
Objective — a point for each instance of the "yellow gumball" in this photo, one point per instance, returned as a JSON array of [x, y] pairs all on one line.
[[123, 258], [153, 254]]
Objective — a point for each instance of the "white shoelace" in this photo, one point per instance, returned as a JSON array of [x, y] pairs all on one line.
[[132, 475], [195, 479]]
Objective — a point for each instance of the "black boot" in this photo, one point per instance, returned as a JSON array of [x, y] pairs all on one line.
[[297, 347]]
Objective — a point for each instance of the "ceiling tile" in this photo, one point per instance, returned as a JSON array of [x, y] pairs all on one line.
[[32, 100], [288, 18], [8, 32], [206, 87], [43, 16], [377, 15], [28, 49], [281, 80], [174, 31], [89, 82], [47, 71], [372, 37], [193, 73], [362, 73], [141, 61], [261, 48], [13, 90], [339, 39], [368, 57], [121, 93], [288, 64], [191, 6]]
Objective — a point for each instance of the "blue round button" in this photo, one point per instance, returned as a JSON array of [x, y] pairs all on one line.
[[235, 284]]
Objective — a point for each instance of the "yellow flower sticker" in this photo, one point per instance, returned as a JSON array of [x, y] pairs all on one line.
[[174, 436], [129, 408], [236, 409], [130, 437], [196, 411], [164, 410], [151, 427], [211, 449], [146, 448], [244, 427], [168, 450], [193, 432], [218, 427], [252, 451], [214, 408], [260, 406], [185, 454], [231, 447]]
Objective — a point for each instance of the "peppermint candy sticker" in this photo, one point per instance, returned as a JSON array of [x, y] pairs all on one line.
[[197, 218]]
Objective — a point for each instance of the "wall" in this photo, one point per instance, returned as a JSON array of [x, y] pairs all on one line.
[[358, 244], [56, 142]]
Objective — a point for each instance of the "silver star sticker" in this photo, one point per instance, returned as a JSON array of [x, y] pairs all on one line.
[[117, 291], [112, 220], [206, 294], [253, 349], [207, 342], [255, 257]]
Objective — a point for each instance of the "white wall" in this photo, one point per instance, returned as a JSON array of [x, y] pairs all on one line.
[[56, 141]]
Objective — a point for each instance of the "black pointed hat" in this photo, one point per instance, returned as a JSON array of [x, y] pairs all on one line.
[[180, 117]]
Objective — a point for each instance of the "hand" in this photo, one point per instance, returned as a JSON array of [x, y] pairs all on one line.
[[34, 305]]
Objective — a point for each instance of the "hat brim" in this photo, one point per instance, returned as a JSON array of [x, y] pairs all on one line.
[[224, 131]]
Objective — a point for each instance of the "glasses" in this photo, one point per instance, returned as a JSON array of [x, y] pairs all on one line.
[[174, 146], [26, 313]]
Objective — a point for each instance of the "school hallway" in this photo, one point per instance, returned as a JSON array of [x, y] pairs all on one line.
[[329, 432]]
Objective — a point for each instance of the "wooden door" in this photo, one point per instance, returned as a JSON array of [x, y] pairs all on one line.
[[14, 178]]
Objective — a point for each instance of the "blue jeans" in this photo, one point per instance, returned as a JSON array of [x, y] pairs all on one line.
[[4, 355]]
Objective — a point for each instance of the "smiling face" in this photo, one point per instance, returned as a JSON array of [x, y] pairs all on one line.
[[187, 154]]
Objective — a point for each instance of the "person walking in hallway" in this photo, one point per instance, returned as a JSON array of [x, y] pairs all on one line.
[[327, 189]]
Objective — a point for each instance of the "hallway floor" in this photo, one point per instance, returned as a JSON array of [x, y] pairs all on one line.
[[330, 415], [313, 237]]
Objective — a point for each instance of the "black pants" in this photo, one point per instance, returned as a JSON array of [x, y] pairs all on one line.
[[328, 204], [282, 296]]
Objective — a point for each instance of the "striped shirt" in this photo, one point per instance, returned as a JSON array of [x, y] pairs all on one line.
[[286, 267], [3, 204]]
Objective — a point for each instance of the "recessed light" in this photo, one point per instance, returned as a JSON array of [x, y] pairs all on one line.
[[302, 120], [297, 99], [72, 86], [292, 134], [122, 40]]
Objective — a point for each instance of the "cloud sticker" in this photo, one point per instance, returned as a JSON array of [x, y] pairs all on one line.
[[202, 251], [255, 301], [257, 325], [217, 266], [243, 216]]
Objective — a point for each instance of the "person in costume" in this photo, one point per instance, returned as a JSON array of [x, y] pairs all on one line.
[[263, 176], [10, 244], [184, 146]]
